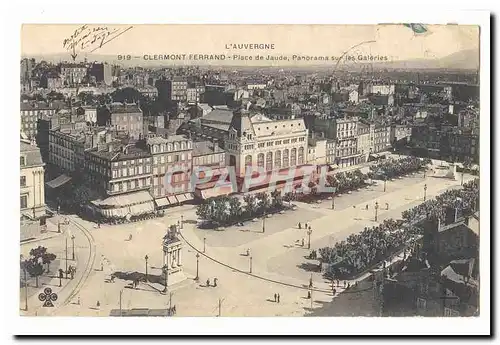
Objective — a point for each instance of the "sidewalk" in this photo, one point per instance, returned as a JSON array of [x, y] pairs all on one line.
[[31, 231], [83, 259]]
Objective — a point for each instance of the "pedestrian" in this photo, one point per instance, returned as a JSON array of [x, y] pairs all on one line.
[[344, 284], [353, 206], [348, 285], [367, 207], [302, 242], [306, 226], [308, 294], [275, 297], [334, 292], [309, 227], [175, 310], [98, 225], [78, 301], [208, 282], [386, 206], [248, 252], [278, 298], [98, 304], [130, 237], [338, 282], [300, 226], [102, 266], [215, 282]]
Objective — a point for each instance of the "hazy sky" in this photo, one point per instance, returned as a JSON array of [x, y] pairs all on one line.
[[397, 42]]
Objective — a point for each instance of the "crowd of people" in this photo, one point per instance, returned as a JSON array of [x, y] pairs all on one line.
[[391, 168], [361, 251]]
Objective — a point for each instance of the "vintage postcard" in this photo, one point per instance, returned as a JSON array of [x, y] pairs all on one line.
[[248, 171]]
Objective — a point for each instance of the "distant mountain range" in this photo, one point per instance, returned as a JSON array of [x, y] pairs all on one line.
[[462, 60]]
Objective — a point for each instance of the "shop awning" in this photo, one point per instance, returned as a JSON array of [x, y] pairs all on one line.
[[189, 196], [172, 200], [125, 199], [58, 181], [162, 202], [181, 198], [139, 209]]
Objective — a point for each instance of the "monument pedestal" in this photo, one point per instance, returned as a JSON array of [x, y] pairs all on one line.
[[172, 259]]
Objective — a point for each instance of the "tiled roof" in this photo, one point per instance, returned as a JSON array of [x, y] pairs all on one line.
[[32, 154]]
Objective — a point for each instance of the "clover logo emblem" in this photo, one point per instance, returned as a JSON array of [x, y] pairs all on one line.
[[47, 296]]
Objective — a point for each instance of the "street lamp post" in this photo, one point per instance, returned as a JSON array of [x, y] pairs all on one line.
[[66, 260], [462, 180], [264, 223], [121, 292], [376, 210], [425, 191], [333, 201], [204, 244], [250, 264], [146, 258], [73, 242], [197, 266], [385, 183], [309, 232], [59, 226], [25, 284], [182, 222], [165, 270]]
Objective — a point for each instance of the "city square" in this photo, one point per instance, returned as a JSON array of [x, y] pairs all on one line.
[[277, 257]]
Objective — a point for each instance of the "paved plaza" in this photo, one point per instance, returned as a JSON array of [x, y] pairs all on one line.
[[277, 257]]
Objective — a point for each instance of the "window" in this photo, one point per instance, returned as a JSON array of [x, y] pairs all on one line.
[[23, 161], [269, 161], [124, 172], [277, 159], [293, 157], [261, 145], [24, 201], [421, 303], [285, 158], [23, 181], [301, 155], [176, 158], [450, 312], [260, 160], [248, 161]]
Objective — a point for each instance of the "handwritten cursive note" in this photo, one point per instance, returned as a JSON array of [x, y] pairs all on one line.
[[90, 38]]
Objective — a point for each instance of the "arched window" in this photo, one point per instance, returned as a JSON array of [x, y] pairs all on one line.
[[248, 161], [285, 158], [169, 147], [176, 146], [277, 159], [293, 157], [269, 161], [260, 160], [301, 156], [183, 145]]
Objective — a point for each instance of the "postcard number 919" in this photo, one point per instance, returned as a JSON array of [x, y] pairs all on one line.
[[124, 57]]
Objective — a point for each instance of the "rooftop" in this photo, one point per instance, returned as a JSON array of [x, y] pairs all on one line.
[[32, 155], [201, 148]]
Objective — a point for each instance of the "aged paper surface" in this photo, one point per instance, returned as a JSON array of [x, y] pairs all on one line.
[[250, 170]]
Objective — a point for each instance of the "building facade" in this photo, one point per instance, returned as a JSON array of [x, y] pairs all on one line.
[[73, 74], [346, 135], [32, 198], [127, 118], [172, 163], [262, 142], [382, 137], [179, 89], [31, 112]]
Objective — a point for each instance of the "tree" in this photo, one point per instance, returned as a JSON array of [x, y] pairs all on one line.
[[264, 202], [47, 258], [277, 200], [204, 211], [250, 204], [34, 268], [235, 209], [38, 252]]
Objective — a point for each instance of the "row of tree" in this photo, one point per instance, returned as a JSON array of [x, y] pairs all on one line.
[[227, 210], [361, 251], [397, 167], [34, 264]]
